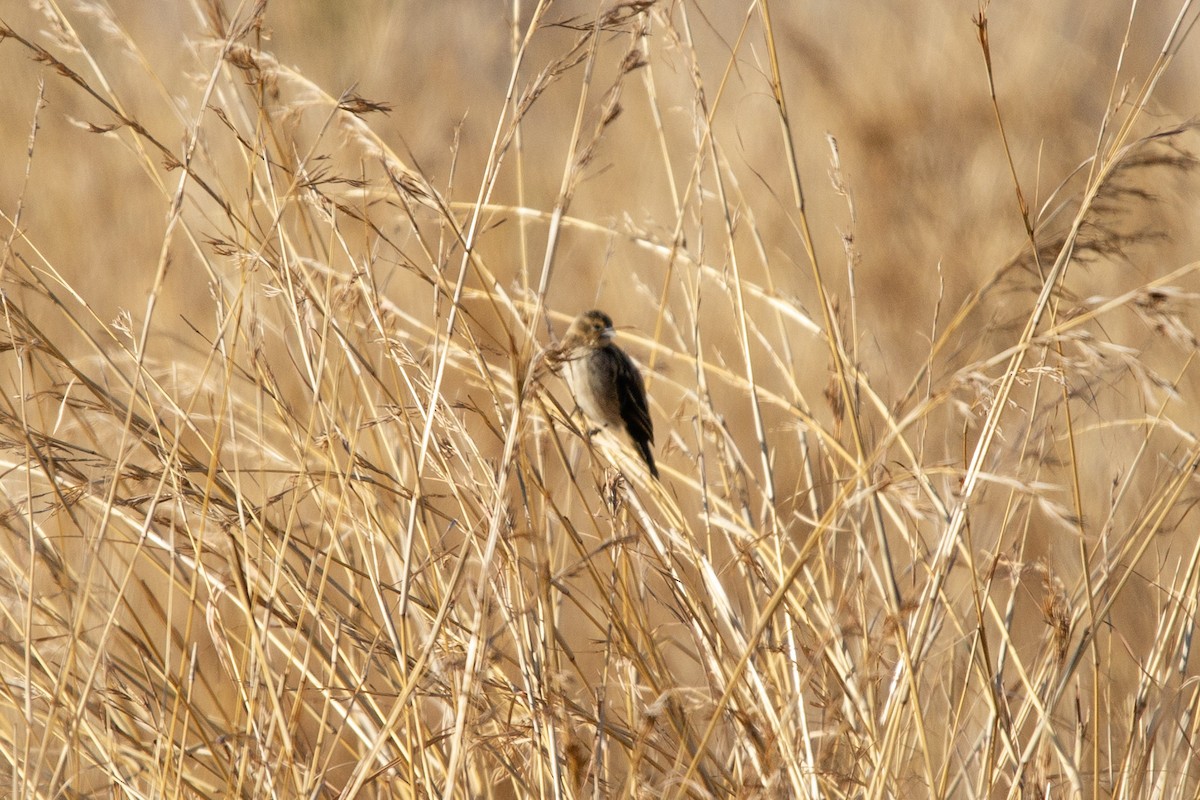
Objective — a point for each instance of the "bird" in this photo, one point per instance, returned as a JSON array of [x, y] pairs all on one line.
[[606, 383]]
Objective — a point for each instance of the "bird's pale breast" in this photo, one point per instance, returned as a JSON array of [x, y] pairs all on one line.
[[593, 380]]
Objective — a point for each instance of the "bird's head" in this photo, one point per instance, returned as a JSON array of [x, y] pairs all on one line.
[[592, 329]]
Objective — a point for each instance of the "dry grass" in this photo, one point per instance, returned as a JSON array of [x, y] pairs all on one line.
[[295, 506]]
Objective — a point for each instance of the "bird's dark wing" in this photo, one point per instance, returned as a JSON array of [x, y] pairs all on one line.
[[631, 392]]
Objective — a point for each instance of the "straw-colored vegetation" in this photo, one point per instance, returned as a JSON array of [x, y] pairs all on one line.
[[295, 503]]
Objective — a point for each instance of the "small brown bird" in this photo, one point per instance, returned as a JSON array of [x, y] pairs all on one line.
[[606, 383]]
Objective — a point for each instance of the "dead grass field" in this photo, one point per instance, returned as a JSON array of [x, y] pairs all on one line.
[[294, 502]]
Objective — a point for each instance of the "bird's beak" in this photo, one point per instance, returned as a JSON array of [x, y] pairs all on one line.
[[607, 334]]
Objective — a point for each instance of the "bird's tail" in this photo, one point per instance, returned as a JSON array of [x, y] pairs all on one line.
[[648, 457]]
